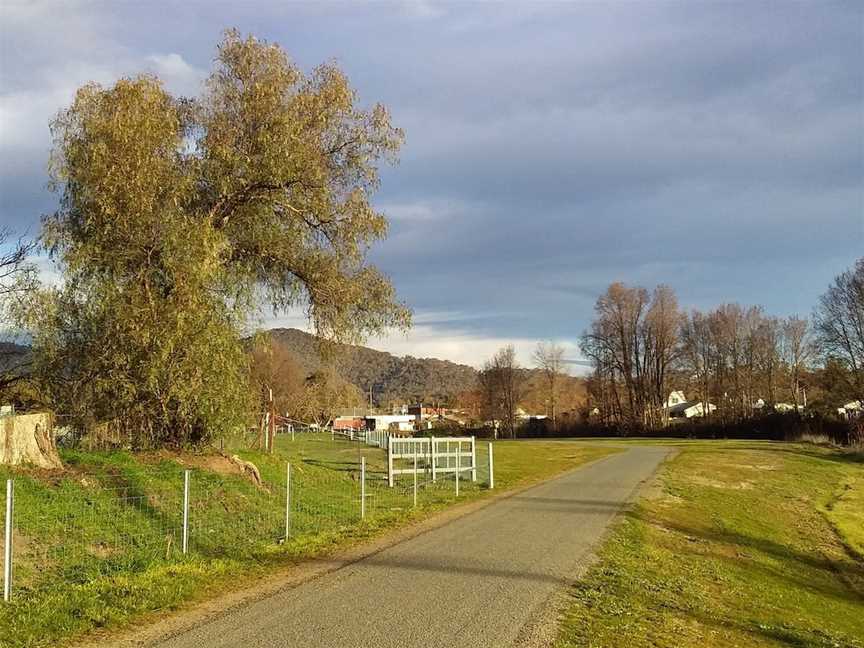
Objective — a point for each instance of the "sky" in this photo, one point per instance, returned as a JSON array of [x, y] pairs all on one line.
[[551, 148]]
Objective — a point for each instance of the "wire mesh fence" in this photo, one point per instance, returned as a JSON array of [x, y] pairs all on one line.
[[95, 521]]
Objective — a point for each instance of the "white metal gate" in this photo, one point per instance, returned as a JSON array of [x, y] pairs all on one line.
[[407, 455]]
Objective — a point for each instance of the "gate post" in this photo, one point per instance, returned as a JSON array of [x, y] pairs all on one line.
[[362, 488], [491, 469], [389, 465], [415, 473], [458, 464], [7, 543], [473, 459], [432, 455], [287, 502]]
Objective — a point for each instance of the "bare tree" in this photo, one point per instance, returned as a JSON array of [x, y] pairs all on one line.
[[17, 278], [698, 348], [839, 323], [796, 351], [549, 358], [502, 382], [661, 347], [633, 343]]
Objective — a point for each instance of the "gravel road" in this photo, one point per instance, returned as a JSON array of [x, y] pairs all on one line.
[[479, 581]]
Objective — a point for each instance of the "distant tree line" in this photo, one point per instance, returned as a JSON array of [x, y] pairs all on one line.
[[738, 359]]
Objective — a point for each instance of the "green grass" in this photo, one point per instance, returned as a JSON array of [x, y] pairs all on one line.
[[97, 546], [744, 544]]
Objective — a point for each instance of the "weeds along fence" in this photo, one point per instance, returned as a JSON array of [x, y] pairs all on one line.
[[109, 515]]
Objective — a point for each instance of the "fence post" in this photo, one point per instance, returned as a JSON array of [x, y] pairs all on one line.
[[389, 466], [287, 501], [7, 544], [491, 469], [432, 455], [473, 459], [415, 474], [185, 511], [362, 488], [458, 464]]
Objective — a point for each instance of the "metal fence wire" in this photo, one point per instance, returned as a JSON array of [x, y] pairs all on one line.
[[94, 522]]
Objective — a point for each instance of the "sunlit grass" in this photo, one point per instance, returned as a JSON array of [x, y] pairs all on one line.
[[740, 547]]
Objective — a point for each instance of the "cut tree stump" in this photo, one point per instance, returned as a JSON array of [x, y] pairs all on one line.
[[28, 439]]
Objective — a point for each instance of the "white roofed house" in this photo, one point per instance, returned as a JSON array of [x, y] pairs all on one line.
[[851, 410], [677, 406]]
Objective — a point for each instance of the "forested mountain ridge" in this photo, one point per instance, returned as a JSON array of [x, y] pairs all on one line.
[[393, 379]]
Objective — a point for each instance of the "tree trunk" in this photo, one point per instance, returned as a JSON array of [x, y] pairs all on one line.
[[28, 439]]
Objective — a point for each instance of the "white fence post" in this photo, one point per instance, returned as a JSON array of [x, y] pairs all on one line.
[[458, 464], [185, 511], [389, 466], [491, 468], [362, 488], [473, 459], [287, 502], [432, 455], [415, 475], [7, 544]]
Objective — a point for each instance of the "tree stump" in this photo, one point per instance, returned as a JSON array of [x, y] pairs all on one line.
[[28, 439]]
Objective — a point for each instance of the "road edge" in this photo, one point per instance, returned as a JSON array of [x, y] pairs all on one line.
[[541, 631]]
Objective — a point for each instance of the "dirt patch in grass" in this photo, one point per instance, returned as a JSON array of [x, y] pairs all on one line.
[[713, 483]]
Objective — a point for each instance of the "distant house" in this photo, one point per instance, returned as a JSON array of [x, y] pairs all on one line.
[[677, 406], [525, 416], [783, 408], [851, 410], [348, 423], [675, 398], [390, 422], [787, 407]]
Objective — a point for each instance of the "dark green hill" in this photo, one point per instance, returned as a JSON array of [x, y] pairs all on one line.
[[393, 379]]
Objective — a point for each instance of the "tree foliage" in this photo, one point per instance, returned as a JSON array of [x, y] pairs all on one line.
[[179, 216]]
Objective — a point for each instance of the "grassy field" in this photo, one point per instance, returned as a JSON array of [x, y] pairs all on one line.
[[97, 546], [742, 544]]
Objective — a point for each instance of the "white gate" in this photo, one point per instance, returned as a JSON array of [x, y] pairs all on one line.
[[407, 455]]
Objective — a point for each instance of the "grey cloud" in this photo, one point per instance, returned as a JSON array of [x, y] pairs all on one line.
[[550, 148]]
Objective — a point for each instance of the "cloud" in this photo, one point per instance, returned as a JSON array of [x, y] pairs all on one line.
[[551, 147]]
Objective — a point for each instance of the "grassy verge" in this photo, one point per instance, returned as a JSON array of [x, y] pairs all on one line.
[[97, 546], [744, 544]]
